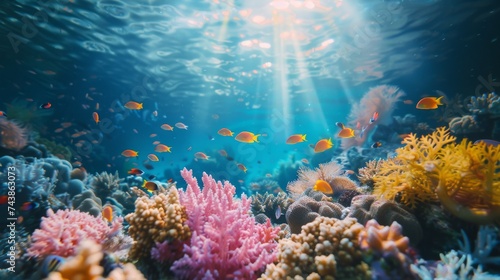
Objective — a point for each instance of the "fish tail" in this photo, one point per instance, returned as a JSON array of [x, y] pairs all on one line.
[[304, 137], [256, 138], [438, 100]]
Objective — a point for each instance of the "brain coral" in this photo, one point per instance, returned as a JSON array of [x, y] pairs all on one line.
[[326, 248], [156, 219], [306, 209]]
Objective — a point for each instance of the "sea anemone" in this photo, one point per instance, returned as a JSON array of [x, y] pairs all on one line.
[[12, 135]]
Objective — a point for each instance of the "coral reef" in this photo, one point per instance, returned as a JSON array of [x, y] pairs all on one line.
[[484, 104], [367, 207], [104, 184], [12, 135], [226, 242], [61, 232], [326, 248], [461, 176], [381, 99], [156, 219], [88, 202], [330, 172], [86, 265], [268, 204], [464, 125], [55, 149], [306, 209]]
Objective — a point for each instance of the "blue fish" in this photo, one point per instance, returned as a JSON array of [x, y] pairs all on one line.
[[277, 213], [52, 263]]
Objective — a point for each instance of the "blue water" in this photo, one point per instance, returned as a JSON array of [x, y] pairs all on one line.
[[195, 62]]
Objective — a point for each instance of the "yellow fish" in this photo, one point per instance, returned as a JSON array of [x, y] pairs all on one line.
[[323, 186], [247, 137], [429, 103]]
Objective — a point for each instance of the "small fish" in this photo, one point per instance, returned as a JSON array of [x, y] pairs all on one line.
[[374, 118], [156, 142], [28, 206], [277, 213], [345, 132], [47, 105], [404, 135], [155, 113], [95, 116], [3, 114], [150, 185], [429, 103], [153, 157], [52, 263], [247, 137], [58, 130], [170, 180], [152, 135], [225, 132], [296, 138], [180, 125], [160, 148], [304, 161], [487, 142], [166, 127], [132, 105], [339, 125], [323, 186], [201, 155], [130, 153], [135, 171], [408, 102], [323, 145], [107, 213], [223, 153], [242, 167], [376, 145]]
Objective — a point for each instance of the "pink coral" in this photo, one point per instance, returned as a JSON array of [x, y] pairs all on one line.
[[226, 241], [12, 135], [61, 232], [379, 99]]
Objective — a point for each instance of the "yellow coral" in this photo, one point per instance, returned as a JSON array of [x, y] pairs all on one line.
[[156, 219], [463, 177]]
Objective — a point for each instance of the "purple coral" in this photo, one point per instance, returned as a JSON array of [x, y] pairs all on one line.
[[226, 241], [12, 135], [61, 232]]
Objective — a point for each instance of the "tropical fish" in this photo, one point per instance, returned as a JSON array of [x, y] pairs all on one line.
[[150, 185], [345, 132], [4, 199], [166, 127], [247, 137], [323, 186], [223, 153], [429, 103], [296, 138], [374, 118], [29, 206], [242, 167], [488, 142], [95, 116], [408, 102], [2, 114], [304, 161], [323, 145], [376, 145], [180, 125], [47, 105], [153, 157], [152, 135], [130, 153], [162, 148], [135, 171], [132, 105], [58, 130], [225, 132], [51, 263], [107, 213], [156, 142], [277, 213], [200, 155]]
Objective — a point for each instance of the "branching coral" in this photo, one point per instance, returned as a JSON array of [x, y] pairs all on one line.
[[367, 173], [156, 219], [326, 248], [61, 232], [463, 176], [12, 135], [226, 241], [381, 99]]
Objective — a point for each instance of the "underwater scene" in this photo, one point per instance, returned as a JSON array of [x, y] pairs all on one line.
[[258, 139]]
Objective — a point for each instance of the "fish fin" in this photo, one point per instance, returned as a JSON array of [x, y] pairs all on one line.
[[256, 138], [304, 137], [438, 100]]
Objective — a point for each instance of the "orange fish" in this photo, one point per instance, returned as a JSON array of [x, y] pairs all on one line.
[[2, 114], [135, 171], [107, 213], [345, 132], [223, 153], [296, 138], [150, 186], [429, 103], [58, 130], [130, 153], [247, 137], [323, 145], [47, 105], [132, 105], [225, 132], [152, 135], [242, 167], [200, 155], [374, 118], [304, 161], [153, 157], [162, 148], [180, 125], [166, 127], [156, 142], [323, 186], [96, 117]]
